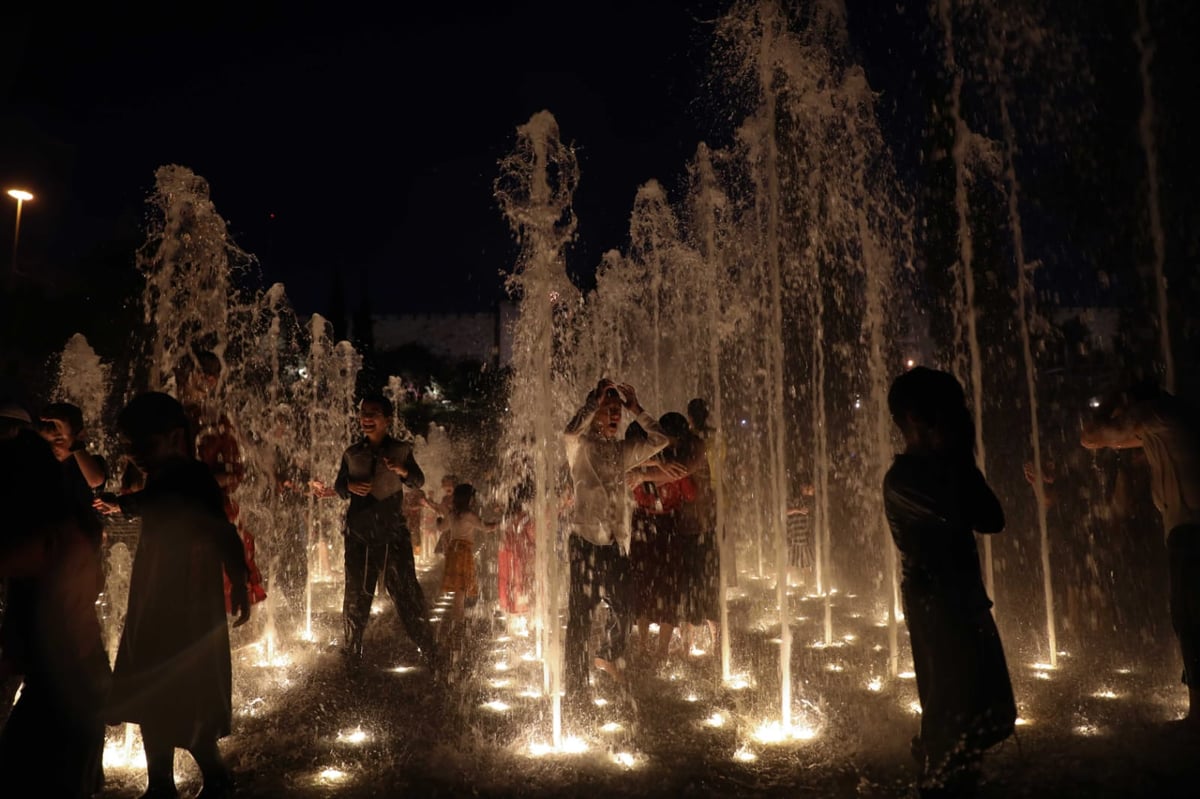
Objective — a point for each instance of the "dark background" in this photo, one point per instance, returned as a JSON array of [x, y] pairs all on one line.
[[338, 138]]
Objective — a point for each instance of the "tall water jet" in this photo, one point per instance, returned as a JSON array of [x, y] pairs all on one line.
[[833, 216], [331, 373], [1146, 123], [535, 190], [709, 200], [965, 320], [1024, 293]]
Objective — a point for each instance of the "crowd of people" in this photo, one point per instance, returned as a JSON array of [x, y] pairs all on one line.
[[638, 523]]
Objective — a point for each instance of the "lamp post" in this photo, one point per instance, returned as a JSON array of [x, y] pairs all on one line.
[[21, 196]]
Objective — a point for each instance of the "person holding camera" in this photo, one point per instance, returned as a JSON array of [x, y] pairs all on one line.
[[599, 525]]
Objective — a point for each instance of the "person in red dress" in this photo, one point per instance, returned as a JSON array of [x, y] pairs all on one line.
[[217, 448]]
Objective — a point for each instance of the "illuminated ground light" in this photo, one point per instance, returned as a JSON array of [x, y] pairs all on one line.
[[1041, 667], [1021, 721], [402, 669], [691, 698], [738, 682], [529, 657], [849, 638], [776, 641], [504, 639], [1087, 730], [600, 701], [907, 675], [696, 652], [1106, 693], [802, 619], [502, 682], [715, 720], [834, 667], [570, 746], [306, 635], [875, 684], [611, 726], [773, 732], [331, 776], [1124, 670], [355, 736], [625, 759], [502, 665], [744, 755], [531, 693], [497, 706]]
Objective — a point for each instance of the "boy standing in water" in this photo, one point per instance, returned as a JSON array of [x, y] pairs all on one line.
[[373, 475]]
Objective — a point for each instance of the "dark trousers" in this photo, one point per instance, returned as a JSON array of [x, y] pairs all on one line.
[[1183, 557], [392, 557], [598, 574], [967, 702]]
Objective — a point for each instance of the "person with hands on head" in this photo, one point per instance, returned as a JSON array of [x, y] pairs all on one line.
[[599, 526], [1145, 416], [173, 673]]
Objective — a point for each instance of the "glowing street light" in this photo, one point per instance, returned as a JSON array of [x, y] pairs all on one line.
[[21, 196]]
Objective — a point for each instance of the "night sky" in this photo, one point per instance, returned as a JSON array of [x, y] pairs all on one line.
[[345, 139], [337, 138]]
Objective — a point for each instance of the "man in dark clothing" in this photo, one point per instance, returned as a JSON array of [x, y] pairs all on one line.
[[173, 674], [1145, 416], [373, 475]]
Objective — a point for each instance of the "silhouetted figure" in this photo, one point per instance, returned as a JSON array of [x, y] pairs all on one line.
[[173, 674], [1143, 415], [52, 742], [935, 499]]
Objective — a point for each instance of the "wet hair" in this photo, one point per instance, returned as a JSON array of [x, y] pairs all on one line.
[[675, 425], [935, 399], [383, 402], [152, 413], [464, 495], [635, 432], [697, 411], [65, 412]]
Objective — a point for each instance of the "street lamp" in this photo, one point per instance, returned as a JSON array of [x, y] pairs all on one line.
[[21, 196]]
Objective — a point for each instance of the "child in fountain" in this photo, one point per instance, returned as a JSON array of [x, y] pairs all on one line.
[[462, 527], [935, 498], [599, 528], [173, 675], [217, 447], [373, 475], [1166, 429]]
